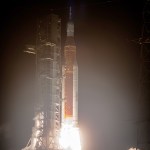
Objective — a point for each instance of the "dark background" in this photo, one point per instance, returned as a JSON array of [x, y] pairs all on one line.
[[108, 63]]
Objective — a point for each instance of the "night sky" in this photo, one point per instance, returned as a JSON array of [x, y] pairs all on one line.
[[108, 61]]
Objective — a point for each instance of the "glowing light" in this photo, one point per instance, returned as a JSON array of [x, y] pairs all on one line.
[[134, 149], [70, 137]]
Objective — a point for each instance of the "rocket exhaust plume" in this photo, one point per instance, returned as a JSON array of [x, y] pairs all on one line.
[[69, 133], [70, 137]]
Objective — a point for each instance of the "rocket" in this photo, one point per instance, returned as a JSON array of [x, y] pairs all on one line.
[[70, 78]]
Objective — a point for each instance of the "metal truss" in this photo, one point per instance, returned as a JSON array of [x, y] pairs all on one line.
[[48, 83]]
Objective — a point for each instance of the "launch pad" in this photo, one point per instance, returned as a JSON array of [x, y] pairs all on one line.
[[56, 109]]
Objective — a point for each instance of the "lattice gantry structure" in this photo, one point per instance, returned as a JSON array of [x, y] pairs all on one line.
[[48, 85], [143, 139]]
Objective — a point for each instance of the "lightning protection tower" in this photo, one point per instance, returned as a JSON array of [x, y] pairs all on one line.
[[48, 84], [143, 139]]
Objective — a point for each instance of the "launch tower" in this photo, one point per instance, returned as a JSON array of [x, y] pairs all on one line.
[[48, 82], [143, 137]]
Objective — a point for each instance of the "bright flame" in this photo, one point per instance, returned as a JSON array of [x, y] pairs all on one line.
[[70, 137]]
